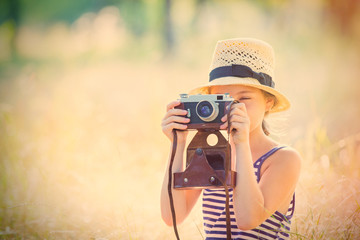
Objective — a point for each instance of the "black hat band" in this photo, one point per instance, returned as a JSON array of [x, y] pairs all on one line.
[[243, 72]]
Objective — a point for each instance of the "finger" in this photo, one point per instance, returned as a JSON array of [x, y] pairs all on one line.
[[172, 105], [172, 126], [233, 118], [236, 126], [238, 111], [173, 112], [241, 106], [227, 107], [177, 119], [238, 118], [238, 105], [224, 126], [231, 105]]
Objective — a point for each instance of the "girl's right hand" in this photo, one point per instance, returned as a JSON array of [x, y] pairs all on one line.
[[173, 120]]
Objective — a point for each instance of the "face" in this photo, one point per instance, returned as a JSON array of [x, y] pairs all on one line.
[[254, 99]]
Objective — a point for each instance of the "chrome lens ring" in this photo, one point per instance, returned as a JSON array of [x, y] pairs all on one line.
[[207, 110]]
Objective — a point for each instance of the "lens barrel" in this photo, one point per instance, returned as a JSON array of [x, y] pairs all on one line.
[[207, 110]]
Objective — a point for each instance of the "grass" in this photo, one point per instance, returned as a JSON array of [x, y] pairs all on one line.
[[80, 164]]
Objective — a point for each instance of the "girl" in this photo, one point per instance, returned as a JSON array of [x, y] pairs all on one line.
[[261, 204]]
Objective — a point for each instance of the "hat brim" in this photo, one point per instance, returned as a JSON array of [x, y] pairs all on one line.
[[282, 103]]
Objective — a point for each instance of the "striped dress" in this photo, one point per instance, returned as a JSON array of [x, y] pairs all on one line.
[[276, 226]]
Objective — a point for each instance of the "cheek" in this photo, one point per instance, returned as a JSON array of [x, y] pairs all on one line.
[[255, 121], [256, 115]]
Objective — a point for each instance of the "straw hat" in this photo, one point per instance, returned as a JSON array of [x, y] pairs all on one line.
[[247, 62]]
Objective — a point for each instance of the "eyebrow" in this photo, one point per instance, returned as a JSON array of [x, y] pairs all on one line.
[[245, 91]]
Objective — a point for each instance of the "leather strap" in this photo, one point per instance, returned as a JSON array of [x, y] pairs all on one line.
[[170, 183], [227, 170]]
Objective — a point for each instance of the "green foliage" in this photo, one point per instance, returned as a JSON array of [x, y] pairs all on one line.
[[4, 10], [47, 12], [9, 10], [269, 5], [135, 16], [42, 11]]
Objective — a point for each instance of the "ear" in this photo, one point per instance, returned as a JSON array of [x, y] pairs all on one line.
[[269, 103]]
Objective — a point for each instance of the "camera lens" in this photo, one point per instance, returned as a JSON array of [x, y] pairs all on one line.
[[207, 110]]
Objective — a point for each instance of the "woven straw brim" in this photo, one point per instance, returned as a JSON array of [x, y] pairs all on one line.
[[281, 104]]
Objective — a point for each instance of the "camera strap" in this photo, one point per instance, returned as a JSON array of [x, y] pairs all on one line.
[[227, 169], [170, 183]]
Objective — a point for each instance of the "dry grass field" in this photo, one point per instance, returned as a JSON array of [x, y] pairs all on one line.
[[83, 155]]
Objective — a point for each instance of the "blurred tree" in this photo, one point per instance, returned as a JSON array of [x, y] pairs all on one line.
[[199, 5], [10, 17], [343, 14], [168, 33], [9, 10], [46, 12], [135, 16], [269, 6]]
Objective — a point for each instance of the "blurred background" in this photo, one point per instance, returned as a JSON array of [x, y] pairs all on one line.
[[84, 85]]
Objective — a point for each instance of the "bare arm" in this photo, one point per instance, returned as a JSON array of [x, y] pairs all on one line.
[[255, 202], [184, 200]]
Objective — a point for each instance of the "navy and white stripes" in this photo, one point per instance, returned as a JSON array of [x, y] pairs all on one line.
[[276, 226]]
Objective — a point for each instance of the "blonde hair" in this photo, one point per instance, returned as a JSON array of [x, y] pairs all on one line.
[[264, 123]]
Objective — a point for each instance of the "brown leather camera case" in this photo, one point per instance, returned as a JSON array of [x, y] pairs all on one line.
[[206, 164]]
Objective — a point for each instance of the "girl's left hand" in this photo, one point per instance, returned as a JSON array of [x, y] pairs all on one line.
[[239, 123]]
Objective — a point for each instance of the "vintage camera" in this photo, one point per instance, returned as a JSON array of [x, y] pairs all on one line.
[[205, 111], [207, 166]]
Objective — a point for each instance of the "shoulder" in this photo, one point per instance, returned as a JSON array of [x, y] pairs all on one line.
[[286, 159], [288, 155]]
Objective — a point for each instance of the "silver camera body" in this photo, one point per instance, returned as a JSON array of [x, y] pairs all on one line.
[[205, 111]]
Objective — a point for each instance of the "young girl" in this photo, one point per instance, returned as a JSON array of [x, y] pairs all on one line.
[[261, 204]]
